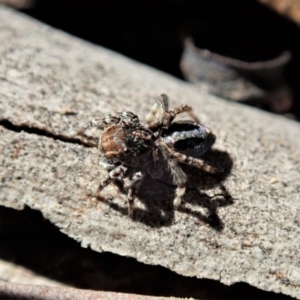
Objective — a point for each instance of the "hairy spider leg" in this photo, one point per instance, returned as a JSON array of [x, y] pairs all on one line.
[[99, 123], [179, 178], [119, 173], [168, 115], [181, 109], [116, 118], [188, 160], [164, 102]]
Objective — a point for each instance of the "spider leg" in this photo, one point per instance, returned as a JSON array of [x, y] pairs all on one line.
[[179, 178], [181, 109], [93, 123], [101, 123], [116, 174], [133, 189], [164, 102], [168, 115], [188, 160], [195, 162], [152, 114], [154, 126], [105, 164]]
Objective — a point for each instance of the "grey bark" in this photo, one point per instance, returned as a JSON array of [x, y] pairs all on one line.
[[51, 84]]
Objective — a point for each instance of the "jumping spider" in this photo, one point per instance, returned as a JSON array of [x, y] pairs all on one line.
[[131, 149]]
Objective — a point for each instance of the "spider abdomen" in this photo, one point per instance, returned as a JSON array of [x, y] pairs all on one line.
[[188, 137]]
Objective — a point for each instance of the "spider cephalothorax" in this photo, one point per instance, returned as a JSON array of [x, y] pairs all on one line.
[[130, 148]]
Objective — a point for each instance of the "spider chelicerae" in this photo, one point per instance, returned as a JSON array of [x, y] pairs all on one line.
[[132, 149]]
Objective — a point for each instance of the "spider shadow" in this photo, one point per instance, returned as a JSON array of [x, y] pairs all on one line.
[[157, 196], [157, 199], [201, 181]]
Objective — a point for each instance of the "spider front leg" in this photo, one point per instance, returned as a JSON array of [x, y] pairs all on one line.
[[101, 123], [93, 123], [162, 102]]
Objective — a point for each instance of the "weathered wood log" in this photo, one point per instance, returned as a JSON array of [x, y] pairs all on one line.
[[51, 84]]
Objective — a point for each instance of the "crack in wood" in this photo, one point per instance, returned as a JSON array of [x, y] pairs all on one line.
[[42, 132]]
